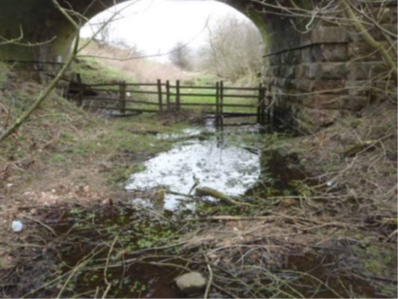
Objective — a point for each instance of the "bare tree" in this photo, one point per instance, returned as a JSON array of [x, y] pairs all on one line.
[[103, 37], [179, 56], [233, 49]]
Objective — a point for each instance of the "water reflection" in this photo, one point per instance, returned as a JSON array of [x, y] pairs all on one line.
[[212, 162]]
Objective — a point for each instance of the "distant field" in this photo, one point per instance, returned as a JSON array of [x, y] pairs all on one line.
[[204, 96]]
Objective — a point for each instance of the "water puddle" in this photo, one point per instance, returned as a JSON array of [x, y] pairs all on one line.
[[186, 133], [204, 157], [87, 238], [128, 252]]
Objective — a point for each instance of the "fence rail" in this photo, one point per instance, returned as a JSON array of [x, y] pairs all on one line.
[[125, 97]]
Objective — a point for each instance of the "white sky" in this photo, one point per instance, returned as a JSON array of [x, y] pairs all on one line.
[[155, 26]]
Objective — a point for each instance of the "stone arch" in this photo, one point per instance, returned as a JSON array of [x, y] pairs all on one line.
[[41, 23], [310, 72]]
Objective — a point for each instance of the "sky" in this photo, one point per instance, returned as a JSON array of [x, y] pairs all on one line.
[[155, 26]]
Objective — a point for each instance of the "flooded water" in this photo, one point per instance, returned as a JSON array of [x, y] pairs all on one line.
[[205, 158]]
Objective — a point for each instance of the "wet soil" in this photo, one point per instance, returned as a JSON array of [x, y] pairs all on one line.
[[84, 237], [122, 247], [119, 250], [314, 276]]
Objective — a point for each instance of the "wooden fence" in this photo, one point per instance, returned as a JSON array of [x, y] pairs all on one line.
[[126, 97]]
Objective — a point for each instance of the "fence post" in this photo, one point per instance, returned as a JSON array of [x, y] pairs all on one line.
[[81, 90], [269, 111], [260, 105], [160, 95], [221, 102], [168, 95], [122, 99], [217, 104], [263, 106], [178, 100]]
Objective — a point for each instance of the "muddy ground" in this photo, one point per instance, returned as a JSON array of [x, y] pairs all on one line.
[[321, 221]]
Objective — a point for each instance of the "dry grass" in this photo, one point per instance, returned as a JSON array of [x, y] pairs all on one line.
[[337, 240], [139, 70], [370, 172]]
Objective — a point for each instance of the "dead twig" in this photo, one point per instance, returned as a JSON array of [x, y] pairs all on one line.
[[108, 284], [210, 280], [391, 235]]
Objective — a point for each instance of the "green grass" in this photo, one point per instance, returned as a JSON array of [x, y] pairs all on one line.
[[93, 71], [206, 99], [123, 136], [60, 135], [126, 144], [205, 96]]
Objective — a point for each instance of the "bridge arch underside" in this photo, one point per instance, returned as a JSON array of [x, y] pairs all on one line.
[[313, 75]]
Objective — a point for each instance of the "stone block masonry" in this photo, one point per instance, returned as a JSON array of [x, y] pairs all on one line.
[[314, 68]]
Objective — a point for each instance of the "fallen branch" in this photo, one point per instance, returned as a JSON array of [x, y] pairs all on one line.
[[42, 224], [391, 235], [205, 191], [360, 147], [236, 218], [108, 284], [210, 280], [180, 194]]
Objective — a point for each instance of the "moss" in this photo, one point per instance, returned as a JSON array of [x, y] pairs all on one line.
[[58, 158], [375, 258]]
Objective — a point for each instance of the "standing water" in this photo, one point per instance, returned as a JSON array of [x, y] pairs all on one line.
[[203, 159]]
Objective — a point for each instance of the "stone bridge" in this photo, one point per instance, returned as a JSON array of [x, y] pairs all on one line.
[[315, 68]]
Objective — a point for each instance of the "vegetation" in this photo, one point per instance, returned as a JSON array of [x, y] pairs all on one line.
[[233, 51], [124, 60], [180, 56], [94, 71], [320, 222], [55, 137]]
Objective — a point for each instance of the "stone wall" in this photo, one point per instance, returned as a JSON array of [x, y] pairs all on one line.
[[315, 70], [318, 76]]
